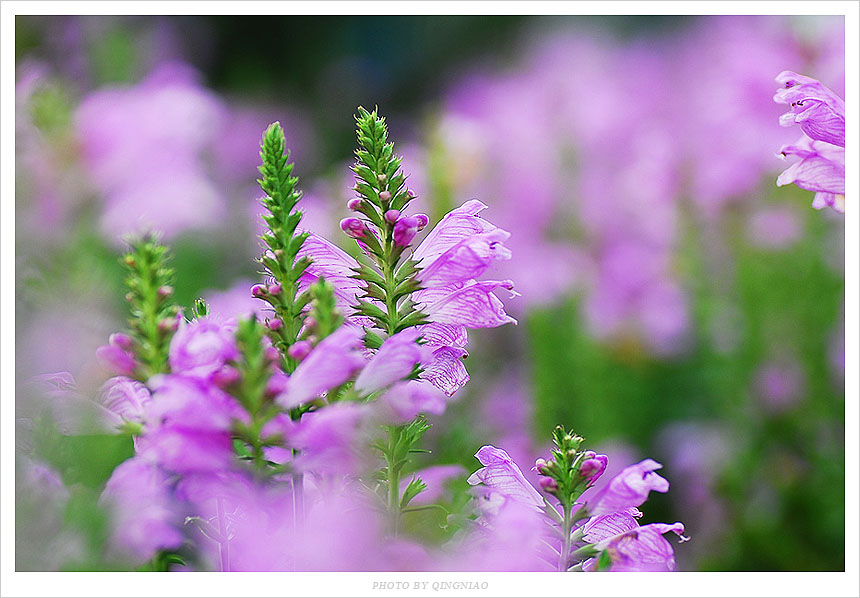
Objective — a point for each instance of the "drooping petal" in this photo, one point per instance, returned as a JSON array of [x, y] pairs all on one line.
[[458, 224], [466, 260], [447, 371], [629, 488], [473, 305], [821, 167], [819, 112]]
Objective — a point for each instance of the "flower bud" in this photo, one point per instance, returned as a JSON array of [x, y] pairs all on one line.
[[423, 220], [299, 350], [130, 261], [123, 341], [275, 324], [279, 253], [129, 297], [354, 204], [275, 289], [353, 227], [310, 323], [391, 216], [117, 360], [225, 376], [548, 484], [277, 384], [385, 196], [405, 230], [258, 291], [593, 467], [382, 179], [168, 325], [272, 354], [165, 290], [539, 464]]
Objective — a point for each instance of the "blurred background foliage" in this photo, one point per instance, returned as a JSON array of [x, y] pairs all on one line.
[[746, 412]]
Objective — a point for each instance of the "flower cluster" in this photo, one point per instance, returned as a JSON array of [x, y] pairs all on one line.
[[597, 526], [820, 113]]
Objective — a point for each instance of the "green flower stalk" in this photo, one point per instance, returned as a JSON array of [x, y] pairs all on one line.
[[281, 261], [154, 317]]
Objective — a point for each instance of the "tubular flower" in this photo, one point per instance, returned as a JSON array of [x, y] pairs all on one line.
[[820, 113]]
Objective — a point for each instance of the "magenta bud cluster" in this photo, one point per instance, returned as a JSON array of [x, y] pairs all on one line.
[[299, 350]]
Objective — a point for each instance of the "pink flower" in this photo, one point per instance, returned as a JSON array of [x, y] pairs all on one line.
[[502, 475], [630, 488], [145, 519], [457, 251], [821, 168], [821, 116], [642, 548], [819, 112], [331, 363], [202, 347]]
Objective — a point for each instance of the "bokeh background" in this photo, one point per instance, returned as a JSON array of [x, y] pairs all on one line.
[[674, 302]]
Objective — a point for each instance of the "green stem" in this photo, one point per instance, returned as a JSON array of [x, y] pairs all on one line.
[[393, 481], [566, 525]]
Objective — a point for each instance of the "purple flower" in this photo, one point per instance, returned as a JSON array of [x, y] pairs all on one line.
[[120, 361], [332, 440], [642, 548], [332, 362], [630, 488], [593, 466], [501, 474], [395, 360], [819, 112], [407, 227], [202, 347], [145, 519], [188, 424], [405, 400], [461, 247], [821, 168], [125, 399]]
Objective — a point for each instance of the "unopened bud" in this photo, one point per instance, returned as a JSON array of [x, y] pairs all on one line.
[[539, 463], [275, 324], [405, 230], [391, 216], [165, 290], [385, 196], [118, 339], [299, 350], [548, 484], [258, 290], [168, 325], [129, 297], [272, 354], [130, 261], [354, 204], [353, 227], [310, 323], [275, 289], [382, 178], [279, 253], [225, 376], [592, 468]]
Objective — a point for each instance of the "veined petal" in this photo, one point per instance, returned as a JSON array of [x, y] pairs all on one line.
[[466, 260], [630, 488], [333, 263], [447, 371], [473, 305], [502, 474], [444, 335], [458, 224]]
